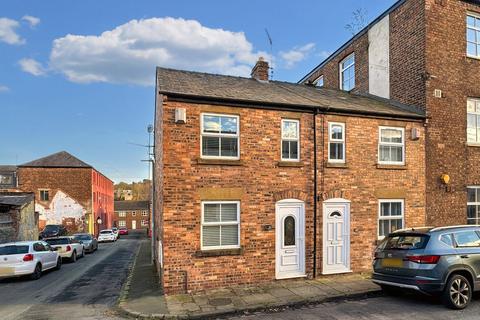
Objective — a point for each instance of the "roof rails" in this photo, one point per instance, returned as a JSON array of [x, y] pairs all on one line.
[[454, 227], [412, 229]]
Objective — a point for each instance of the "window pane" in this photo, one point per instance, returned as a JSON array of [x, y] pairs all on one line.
[[211, 124], [293, 149], [471, 194], [391, 153], [211, 212], [471, 120], [471, 49], [471, 21], [385, 209], [471, 211], [289, 231], [210, 146], [467, 239], [336, 151], [229, 212], [391, 135], [290, 130], [336, 132], [470, 105], [229, 147], [229, 125], [211, 236], [396, 208], [229, 235], [471, 35], [285, 149], [384, 227]]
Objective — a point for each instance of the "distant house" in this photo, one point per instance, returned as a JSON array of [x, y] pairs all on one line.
[[68, 191], [124, 195], [132, 214], [8, 177], [18, 220]]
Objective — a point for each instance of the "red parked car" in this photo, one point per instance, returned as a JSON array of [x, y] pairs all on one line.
[[122, 231]]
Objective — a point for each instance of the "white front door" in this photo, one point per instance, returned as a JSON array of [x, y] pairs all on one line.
[[290, 239], [134, 224], [336, 236]]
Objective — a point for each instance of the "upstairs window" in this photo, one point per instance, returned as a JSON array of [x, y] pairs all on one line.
[[44, 195], [220, 136], [473, 120], [347, 73], [290, 140], [391, 146], [220, 225], [336, 142], [122, 214], [319, 82], [473, 35]]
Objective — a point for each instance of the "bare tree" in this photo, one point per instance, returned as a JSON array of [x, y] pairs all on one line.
[[359, 21]]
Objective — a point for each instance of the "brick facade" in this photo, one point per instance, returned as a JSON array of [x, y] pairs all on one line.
[[259, 179]]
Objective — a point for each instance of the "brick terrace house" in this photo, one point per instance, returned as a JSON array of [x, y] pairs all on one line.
[[132, 214], [257, 180], [68, 191], [18, 220], [426, 53]]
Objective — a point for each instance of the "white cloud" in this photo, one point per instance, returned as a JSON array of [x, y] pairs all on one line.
[[8, 32], [4, 88], [130, 52], [32, 66], [32, 21], [296, 54], [323, 54]]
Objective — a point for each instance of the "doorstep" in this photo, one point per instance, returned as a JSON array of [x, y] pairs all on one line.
[[249, 298]]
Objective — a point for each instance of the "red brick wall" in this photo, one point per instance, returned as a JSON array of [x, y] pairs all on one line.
[[129, 217], [264, 182], [102, 193]]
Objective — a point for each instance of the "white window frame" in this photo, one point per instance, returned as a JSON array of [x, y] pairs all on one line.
[[471, 203], [330, 140], [316, 82], [134, 213], [289, 139], [122, 223], [343, 68], [382, 218], [144, 223], [476, 114], [476, 29], [122, 214], [202, 134], [396, 144], [229, 223], [144, 213]]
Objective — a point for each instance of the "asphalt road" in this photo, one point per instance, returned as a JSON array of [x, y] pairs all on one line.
[[86, 289], [411, 306]]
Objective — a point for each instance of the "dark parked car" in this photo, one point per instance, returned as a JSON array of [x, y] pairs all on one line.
[[89, 242], [439, 261], [53, 230]]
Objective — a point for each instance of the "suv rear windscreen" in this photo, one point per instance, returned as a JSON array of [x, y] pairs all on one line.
[[405, 242], [56, 242], [9, 250]]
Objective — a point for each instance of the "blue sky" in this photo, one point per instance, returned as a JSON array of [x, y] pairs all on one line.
[[79, 75]]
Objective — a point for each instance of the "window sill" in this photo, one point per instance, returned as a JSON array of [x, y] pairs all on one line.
[[218, 253], [222, 162], [338, 165], [473, 57], [391, 166], [294, 164], [473, 144]]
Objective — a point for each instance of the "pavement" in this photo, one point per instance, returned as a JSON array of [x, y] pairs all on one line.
[[144, 299], [86, 289]]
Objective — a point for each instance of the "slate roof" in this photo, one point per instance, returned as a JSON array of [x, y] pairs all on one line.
[[60, 159], [16, 198], [220, 88], [131, 205], [7, 168]]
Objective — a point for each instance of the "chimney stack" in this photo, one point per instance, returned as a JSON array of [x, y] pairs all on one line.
[[260, 70]]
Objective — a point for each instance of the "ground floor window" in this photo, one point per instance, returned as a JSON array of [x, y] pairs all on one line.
[[144, 223], [220, 225], [390, 216], [473, 205], [122, 223]]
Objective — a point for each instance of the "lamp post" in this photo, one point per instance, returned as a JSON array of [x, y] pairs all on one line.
[[99, 222]]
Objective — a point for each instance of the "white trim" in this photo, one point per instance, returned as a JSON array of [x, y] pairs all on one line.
[[342, 69], [472, 204], [342, 141], [290, 139], [476, 30], [318, 79], [395, 144], [382, 218], [301, 240], [476, 114], [237, 135], [229, 223]]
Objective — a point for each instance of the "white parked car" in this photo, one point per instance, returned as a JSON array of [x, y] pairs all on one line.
[[67, 247], [106, 235], [27, 258]]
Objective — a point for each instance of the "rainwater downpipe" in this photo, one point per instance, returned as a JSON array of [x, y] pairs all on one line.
[[314, 193]]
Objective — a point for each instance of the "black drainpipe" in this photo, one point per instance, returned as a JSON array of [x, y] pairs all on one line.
[[314, 193]]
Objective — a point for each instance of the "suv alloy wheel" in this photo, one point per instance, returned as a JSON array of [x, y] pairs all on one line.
[[458, 292]]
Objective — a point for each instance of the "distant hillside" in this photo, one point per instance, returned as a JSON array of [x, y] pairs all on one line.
[[140, 190]]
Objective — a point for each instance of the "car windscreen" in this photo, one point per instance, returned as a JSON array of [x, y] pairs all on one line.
[[9, 250], [404, 242], [56, 242], [105, 232], [83, 237]]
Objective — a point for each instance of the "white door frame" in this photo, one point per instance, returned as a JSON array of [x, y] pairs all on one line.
[[134, 224], [279, 237], [346, 234]]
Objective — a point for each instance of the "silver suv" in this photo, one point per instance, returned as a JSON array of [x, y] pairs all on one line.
[[443, 261]]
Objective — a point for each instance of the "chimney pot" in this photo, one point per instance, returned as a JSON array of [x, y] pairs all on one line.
[[260, 70]]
